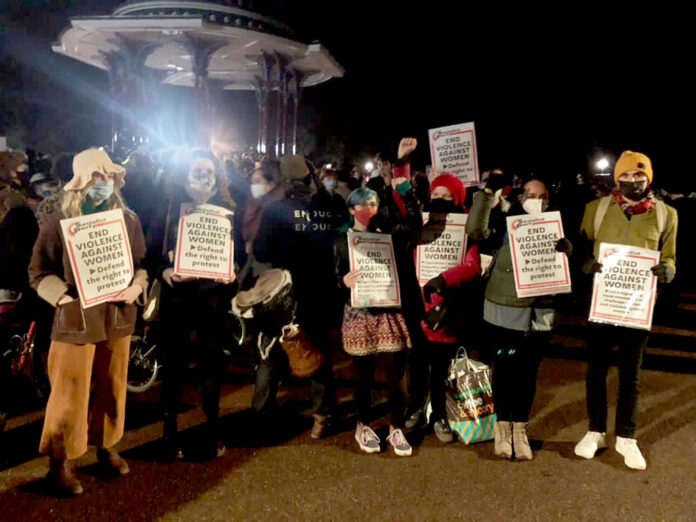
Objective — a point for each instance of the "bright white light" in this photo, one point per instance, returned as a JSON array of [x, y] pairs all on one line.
[[602, 164], [369, 166], [329, 166]]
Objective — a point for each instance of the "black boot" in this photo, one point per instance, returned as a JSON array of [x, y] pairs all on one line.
[[171, 446], [213, 447]]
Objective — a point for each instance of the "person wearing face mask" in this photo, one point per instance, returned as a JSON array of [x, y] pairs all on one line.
[[518, 328], [631, 215], [192, 311], [369, 333], [279, 232], [89, 346], [430, 361]]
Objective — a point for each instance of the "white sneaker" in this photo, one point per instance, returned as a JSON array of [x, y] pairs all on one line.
[[590, 443], [633, 458], [399, 443], [367, 439]]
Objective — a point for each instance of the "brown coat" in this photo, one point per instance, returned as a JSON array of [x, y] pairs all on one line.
[[50, 274]]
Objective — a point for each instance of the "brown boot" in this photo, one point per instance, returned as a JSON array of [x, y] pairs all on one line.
[[62, 474], [111, 460]]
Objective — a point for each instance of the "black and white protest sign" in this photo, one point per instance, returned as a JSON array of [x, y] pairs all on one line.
[[442, 246], [100, 255], [538, 268], [624, 291], [453, 150], [373, 255], [204, 246]]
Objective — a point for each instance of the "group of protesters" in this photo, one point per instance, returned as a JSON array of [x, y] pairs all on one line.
[[288, 215]]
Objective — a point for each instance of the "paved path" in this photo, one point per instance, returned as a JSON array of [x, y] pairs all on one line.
[[289, 476]]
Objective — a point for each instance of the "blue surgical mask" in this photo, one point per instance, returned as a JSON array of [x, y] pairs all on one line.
[[330, 184], [101, 191]]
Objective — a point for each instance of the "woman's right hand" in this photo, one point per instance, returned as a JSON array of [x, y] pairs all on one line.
[[351, 278], [66, 299], [170, 277], [182, 279]]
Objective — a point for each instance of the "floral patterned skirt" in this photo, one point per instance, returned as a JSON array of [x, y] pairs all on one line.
[[365, 333]]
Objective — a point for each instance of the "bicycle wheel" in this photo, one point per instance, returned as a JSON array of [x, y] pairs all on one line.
[[143, 366]]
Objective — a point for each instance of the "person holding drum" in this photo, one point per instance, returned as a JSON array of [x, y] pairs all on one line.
[[372, 332], [193, 311], [89, 346], [277, 236]]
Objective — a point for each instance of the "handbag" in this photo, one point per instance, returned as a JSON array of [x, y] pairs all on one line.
[[469, 399]]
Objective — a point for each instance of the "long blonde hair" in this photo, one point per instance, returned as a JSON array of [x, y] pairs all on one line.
[[71, 203]]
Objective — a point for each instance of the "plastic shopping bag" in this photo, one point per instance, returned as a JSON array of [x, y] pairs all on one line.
[[469, 401]]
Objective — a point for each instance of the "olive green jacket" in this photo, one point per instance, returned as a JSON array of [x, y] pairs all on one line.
[[641, 230]]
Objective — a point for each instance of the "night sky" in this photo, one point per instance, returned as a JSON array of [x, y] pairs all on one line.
[[548, 88]]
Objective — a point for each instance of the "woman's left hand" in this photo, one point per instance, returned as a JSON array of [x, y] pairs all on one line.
[[129, 295]]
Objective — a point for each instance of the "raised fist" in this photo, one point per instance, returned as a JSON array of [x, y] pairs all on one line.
[[407, 146]]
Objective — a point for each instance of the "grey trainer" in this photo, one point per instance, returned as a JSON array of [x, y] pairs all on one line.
[[503, 439], [523, 450]]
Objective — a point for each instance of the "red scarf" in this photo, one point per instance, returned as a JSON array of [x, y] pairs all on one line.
[[641, 207]]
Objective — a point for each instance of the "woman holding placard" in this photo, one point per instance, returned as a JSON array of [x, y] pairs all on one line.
[[519, 326], [193, 309], [90, 345], [430, 362], [372, 332]]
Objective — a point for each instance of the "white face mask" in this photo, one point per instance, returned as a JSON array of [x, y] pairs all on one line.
[[259, 190], [533, 206]]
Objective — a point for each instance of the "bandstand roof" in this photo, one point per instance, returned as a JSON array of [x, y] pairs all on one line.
[[239, 35]]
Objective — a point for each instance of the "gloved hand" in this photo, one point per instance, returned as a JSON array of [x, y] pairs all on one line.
[[436, 285], [435, 317], [664, 272], [565, 246], [495, 182], [592, 266]]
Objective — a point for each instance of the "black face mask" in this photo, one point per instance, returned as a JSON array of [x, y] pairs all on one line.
[[442, 206], [634, 190]]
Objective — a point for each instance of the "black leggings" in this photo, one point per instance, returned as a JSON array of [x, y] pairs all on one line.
[[516, 358], [429, 367], [395, 365]]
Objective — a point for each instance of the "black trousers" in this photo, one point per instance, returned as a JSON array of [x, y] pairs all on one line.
[[183, 348], [631, 345], [429, 366], [516, 358], [395, 364]]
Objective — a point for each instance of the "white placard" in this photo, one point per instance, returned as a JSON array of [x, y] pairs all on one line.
[[453, 150], [538, 268], [3, 143], [373, 255], [442, 246], [100, 255], [624, 291], [204, 245]]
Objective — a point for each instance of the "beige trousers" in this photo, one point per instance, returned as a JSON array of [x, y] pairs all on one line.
[[71, 419]]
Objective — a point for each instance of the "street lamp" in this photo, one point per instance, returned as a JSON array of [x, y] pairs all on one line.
[[602, 164]]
